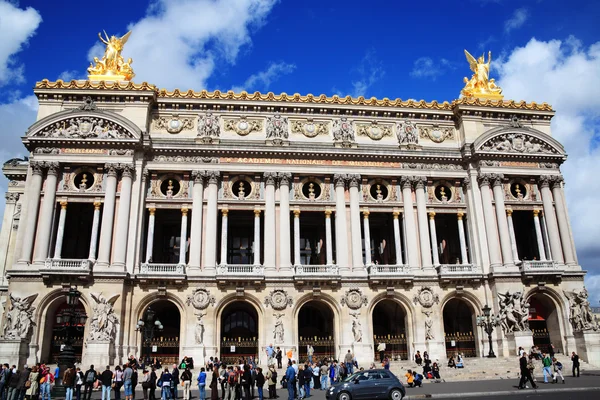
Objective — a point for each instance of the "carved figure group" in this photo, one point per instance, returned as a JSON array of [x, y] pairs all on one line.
[[208, 126], [19, 318], [277, 127], [343, 132], [84, 128], [480, 82], [407, 133], [580, 312], [112, 63], [103, 325], [514, 312]]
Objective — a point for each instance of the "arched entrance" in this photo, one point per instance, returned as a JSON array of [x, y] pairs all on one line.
[[459, 328], [161, 344], [315, 328], [56, 334], [544, 322], [389, 327], [239, 332]]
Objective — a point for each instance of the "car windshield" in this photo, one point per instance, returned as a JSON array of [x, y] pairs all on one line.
[[361, 376]]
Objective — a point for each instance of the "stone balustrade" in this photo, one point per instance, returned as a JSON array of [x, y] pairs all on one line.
[[317, 270], [162, 269], [240, 270]]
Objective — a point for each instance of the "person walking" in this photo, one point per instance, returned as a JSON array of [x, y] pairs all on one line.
[[557, 366], [547, 363], [575, 359], [106, 379], [290, 376], [69, 383], [90, 377], [525, 372], [201, 384], [214, 384]]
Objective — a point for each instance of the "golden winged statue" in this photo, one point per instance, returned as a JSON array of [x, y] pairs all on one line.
[[112, 66], [480, 85]]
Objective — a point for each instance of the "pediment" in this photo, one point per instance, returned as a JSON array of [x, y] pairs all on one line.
[[514, 141]]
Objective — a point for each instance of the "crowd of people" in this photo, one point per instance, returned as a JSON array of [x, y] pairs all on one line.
[[552, 369]]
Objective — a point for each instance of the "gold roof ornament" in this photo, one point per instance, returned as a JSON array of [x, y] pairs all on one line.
[[480, 85], [112, 66]]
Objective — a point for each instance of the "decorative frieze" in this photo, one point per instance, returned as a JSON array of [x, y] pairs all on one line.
[[343, 132], [174, 123], [436, 133], [243, 125], [374, 130], [310, 128], [209, 128]]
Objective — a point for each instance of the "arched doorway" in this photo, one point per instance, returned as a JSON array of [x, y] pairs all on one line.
[[239, 332], [389, 327], [315, 328], [162, 344], [544, 322], [56, 334], [459, 329]]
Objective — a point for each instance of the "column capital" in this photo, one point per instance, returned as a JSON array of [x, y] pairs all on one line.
[[557, 182], [152, 210], [509, 212], [53, 168], [145, 174], [184, 212], [199, 176], [460, 216], [544, 181], [270, 177], [97, 205], [296, 212], [63, 204], [111, 169], [419, 182], [536, 213], [340, 179], [406, 182], [224, 211], [284, 178], [353, 180], [490, 179], [550, 180], [11, 198], [327, 213], [128, 170], [213, 177], [395, 214], [366, 213], [431, 214], [257, 212], [466, 182], [37, 167]]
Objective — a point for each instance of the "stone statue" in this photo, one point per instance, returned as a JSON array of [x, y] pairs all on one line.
[[480, 84], [199, 331], [19, 318], [112, 66], [580, 311], [356, 327], [278, 331], [514, 312], [103, 325], [277, 127], [241, 191], [428, 325], [407, 133], [208, 127], [343, 132]]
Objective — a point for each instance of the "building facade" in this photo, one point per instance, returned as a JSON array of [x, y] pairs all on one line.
[[243, 220]]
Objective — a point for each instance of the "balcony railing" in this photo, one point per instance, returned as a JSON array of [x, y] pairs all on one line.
[[75, 265], [459, 271], [240, 270], [317, 270], [536, 265], [389, 270], [162, 269]]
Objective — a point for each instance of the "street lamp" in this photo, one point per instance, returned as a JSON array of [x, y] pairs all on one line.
[[147, 327], [487, 322]]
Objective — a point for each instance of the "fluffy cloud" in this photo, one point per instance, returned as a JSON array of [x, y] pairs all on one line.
[[426, 67], [179, 42], [516, 20], [567, 75], [16, 27], [262, 80], [370, 70]]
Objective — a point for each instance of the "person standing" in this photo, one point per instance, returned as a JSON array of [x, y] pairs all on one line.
[[308, 374], [118, 382], [165, 381], [223, 379], [134, 379], [349, 360], [201, 384], [324, 372], [575, 359], [232, 381], [381, 350], [301, 382], [290, 376], [245, 381], [69, 383], [90, 378], [214, 384], [145, 383], [309, 352], [153, 378], [128, 382], [525, 373], [106, 378], [279, 357], [13, 386], [547, 363], [32, 390], [272, 381], [551, 350], [260, 382], [45, 383], [22, 381], [174, 381], [316, 380], [78, 383], [270, 353], [186, 381]]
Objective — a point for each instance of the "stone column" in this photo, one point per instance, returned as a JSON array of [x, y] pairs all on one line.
[[538, 235], [224, 214], [95, 226], [284, 221], [256, 246], [422, 219], [433, 232], [210, 243], [122, 230], [61, 229], [545, 237], [328, 239], [397, 241], [196, 231], [409, 220], [357, 258], [461, 236], [33, 206], [108, 215], [341, 230], [367, 238], [551, 223], [563, 221], [44, 229], [297, 260], [150, 239], [505, 244], [490, 221], [270, 229], [183, 236], [513, 238]]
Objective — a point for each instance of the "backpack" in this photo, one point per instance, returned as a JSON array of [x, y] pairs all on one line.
[[274, 376], [559, 365], [90, 377], [231, 378]]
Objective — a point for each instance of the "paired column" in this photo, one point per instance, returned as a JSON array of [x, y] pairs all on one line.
[[224, 214], [341, 230], [422, 218], [433, 233], [33, 206], [462, 239], [61, 229], [550, 217], [409, 221], [108, 215], [490, 220], [210, 249], [563, 221], [196, 231], [297, 260], [367, 237], [183, 236], [397, 238], [150, 239], [538, 234], [511, 231], [328, 239], [505, 244], [95, 226], [270, 229], [44, 228], [123, 217], [284, 220], [256, 246], [357, 258]]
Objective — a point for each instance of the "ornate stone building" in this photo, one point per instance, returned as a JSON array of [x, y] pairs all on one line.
[[242, 220]]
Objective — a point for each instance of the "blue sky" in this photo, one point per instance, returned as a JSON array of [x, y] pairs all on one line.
[[543, 51]]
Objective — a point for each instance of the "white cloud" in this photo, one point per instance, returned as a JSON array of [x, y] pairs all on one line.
[[426, 67], [16, 27], [517, 20], [370, 70], [262, 80], [567, 75], [67, 76], [179, 42]]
